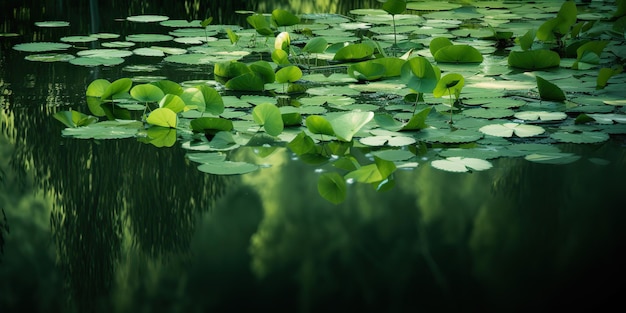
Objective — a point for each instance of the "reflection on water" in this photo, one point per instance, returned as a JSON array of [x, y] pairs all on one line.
[[122, 226]]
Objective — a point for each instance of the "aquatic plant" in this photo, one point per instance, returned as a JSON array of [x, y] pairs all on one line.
[[331, 93]]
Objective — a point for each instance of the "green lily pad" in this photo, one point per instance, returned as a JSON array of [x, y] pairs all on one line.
[[52, 24], [148, 38], [447, 136], [460, 164], [49, 57], [227, 168], [540, 115], [41, 46], [117, 129], [147, 18], [96, 61], [580, 137], [553, 158], [489, 113], [104, 53], [78, 39], [508, 129]]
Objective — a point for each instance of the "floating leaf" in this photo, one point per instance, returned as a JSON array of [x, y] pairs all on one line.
[[52, 24], [41, 46], [549, 91], [96, 61], [49, 57], [268, 116], [74, 118], [163, 117], [507, 130], [540, 115], [460, 164], [78, 39], [227, 168], [552, 158], [580, 137], [332, 187], [147, 18]]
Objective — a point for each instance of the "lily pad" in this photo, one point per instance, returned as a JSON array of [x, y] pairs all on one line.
[[508, 129], [49, 57], [41, 46], [460, 164], [580, 137], [553, 158], [228, 168], [147, 18], [96, 61], [540, 115]]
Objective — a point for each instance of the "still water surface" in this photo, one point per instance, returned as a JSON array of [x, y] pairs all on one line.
[[121, 226]]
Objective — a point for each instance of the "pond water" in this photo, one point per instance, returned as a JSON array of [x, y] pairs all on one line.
[[118, 225]]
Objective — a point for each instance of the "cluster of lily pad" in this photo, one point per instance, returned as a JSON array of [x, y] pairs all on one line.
[[364, 98]]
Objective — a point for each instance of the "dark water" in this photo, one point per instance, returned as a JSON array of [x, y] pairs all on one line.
[[122, 226]]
